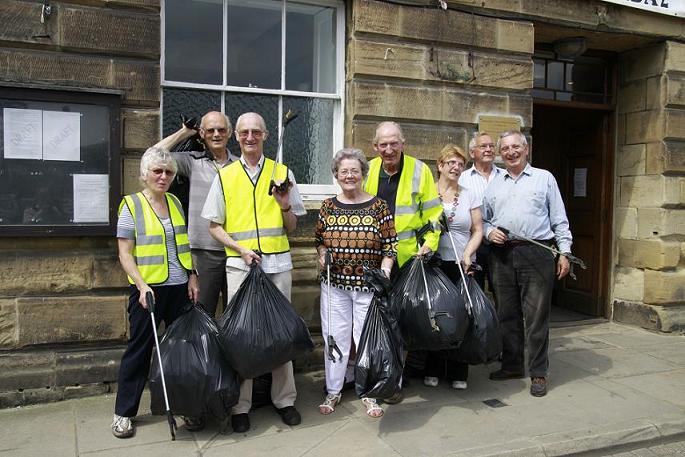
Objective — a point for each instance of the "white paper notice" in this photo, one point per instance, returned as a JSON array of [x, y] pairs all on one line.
[[580, 182], [91, 198], [61, 136], [23, 137]]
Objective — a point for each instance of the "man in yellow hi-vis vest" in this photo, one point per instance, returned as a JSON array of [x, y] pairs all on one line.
[[245, 219], [407, 185]]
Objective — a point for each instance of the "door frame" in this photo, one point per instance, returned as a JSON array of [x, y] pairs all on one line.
[[606, 238]]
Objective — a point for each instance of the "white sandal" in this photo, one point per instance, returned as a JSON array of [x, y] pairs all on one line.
[[372, 408], [329, 403]]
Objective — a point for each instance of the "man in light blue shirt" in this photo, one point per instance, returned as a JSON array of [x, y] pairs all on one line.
[[476, 179], [524, 200]]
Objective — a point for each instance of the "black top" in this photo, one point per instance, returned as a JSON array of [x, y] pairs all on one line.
[[387, 186]]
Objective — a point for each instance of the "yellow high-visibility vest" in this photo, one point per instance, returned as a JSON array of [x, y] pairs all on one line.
[[253, 217], [150, 250], [417, 203]]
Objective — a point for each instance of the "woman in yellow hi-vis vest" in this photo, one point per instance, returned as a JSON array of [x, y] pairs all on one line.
[[154, 252]]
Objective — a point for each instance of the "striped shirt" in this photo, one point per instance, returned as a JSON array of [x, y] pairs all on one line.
[[126, 229], [477, 183]]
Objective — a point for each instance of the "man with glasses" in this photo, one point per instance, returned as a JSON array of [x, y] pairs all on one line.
[[407, 185], [526, 201], [244, 218], [201, 167], [476, 179]]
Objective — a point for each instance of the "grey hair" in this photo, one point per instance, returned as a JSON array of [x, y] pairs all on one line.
[[522, 137], [352, 154], [229, 126], [472, 143], [385, 124], [156, 156], [261, 121]]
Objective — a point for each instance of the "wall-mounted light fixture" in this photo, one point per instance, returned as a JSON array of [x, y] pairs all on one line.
[[570, 48]]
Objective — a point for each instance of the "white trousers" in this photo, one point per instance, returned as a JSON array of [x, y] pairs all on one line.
[[347, 314], [283, 391]]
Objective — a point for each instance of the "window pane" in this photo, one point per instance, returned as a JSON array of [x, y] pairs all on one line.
[[254, 43], [555, 75], [588, 78], [192, 43], [539, 73], [310, 48], [190, 103], [266, 106], [308, 142]]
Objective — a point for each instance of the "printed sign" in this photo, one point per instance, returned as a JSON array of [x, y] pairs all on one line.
[[670, 7]]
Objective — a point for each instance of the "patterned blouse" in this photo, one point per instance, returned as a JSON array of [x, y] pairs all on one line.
[[358, 235]]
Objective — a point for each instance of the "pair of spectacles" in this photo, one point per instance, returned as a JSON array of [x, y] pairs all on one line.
[[513, 147], [486, 146], [454, 163], [353, 172], [221, 131], [392, 144], [160, 171], [255, 133]]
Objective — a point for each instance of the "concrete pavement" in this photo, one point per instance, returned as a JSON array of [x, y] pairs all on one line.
[[611, 385]]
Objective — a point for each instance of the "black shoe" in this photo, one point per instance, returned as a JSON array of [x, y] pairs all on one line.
[[194, 424], [240, 423], [289, 415], [538, 386], [503, 375]]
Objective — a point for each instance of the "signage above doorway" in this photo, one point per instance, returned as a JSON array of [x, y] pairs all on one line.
[[670, 7]]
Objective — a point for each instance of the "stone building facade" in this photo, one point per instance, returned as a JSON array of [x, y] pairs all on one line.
[[437, 72]]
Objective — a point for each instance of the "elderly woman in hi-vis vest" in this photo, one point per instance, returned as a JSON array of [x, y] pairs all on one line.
[[154, 252]]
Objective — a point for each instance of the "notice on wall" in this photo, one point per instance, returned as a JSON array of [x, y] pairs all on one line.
[[670, 7], [61, 136], [580, 182], [42, 135], [494, 125], [23, 133], [91, 198]]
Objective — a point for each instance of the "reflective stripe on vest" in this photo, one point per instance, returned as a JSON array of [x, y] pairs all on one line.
[[410, 214], [253, 217], [150, 250]]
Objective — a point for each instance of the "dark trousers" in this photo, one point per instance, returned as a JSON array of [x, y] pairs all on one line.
[[439, 363], [170, 302], [483, 259], [523, 280], [211, 269]]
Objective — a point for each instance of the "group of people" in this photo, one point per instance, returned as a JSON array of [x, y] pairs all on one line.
[[239, 213]]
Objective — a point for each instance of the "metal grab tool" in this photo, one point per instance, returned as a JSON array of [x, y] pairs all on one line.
[[458, 262], [287, 184], [150, 299], [330, 341], [573, 260]]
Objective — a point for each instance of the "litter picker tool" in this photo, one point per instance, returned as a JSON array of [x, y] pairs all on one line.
[[573, 260], [330, 341], [458, 262], [420, 233], [285, 185], [150, 299]]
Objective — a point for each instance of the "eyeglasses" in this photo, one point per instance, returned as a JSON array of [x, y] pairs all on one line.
[[454, 163], [352, 172], [513, 147], [159, 171], [486, 146], [255, 133]]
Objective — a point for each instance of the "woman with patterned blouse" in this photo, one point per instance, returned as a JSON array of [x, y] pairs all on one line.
[[357, 229]]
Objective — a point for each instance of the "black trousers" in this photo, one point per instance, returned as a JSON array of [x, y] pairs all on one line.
[[211, 269], [483, 259], [523, 280], [439, 363], [170, 302]]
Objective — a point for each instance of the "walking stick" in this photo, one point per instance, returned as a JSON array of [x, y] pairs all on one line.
[[285, 185], [330, 341], [573, 260], [150, 298], [458, 262]]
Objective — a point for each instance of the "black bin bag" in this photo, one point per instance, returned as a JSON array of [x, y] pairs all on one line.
[[430, 319], [483, 340], [260, 330], [379, 364], [199, 380]]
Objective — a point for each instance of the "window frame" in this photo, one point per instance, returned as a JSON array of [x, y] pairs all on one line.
[[315, 192]]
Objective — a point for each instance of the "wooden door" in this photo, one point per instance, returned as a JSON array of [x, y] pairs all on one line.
[[573, 144]]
